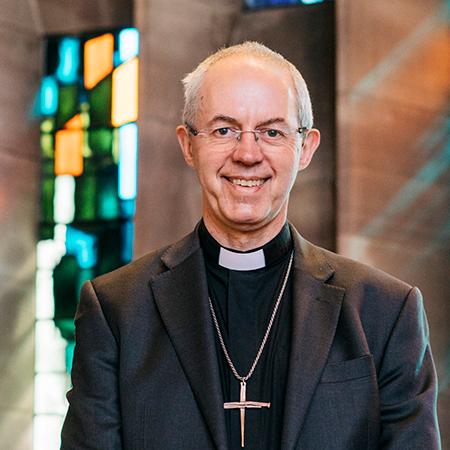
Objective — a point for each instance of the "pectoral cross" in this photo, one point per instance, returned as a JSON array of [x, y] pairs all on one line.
[[242, 405]]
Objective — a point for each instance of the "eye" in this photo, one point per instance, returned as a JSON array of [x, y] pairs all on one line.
[[272, 133], [222, 132]]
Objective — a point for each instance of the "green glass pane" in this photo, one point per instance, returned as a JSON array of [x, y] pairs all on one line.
[[47, 145], [65, 289], [101, 141], [109, 247], [47, 196], [67, 105], [100, 103], [83, 276], [108, 206], [85, 197], [47, 193], [115, 145], [46, 231], [70, 348], [66, 328], [47, 168]]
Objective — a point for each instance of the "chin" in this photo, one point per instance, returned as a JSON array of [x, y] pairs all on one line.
[[247, 219]]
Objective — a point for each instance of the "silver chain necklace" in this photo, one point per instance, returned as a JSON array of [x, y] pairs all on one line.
[[244, 403]]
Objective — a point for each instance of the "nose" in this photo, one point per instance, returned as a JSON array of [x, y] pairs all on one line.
[[247, 149]]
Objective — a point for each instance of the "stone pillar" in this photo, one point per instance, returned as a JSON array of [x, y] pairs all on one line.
[[19, 176]]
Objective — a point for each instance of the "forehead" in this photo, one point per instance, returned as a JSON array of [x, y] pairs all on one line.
[[247, 88]]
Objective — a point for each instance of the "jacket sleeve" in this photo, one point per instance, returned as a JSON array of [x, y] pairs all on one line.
[[408, 384], [93, 420]]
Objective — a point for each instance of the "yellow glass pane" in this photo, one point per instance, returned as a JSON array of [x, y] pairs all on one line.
[[98, 59], [47, 145], [87, 151], [75, 123], [47, 125], [125, 93], [69, 152]]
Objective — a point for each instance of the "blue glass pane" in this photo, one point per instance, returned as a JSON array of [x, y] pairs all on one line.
[[49, 96], [128, 44], [69, 60], [83, 246], [127, 241], [127, 208]]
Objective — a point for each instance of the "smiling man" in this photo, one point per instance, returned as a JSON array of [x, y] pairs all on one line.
[[243, 334]]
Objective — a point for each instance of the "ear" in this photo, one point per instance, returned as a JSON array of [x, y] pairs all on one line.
[[185, 144], [309, 147]]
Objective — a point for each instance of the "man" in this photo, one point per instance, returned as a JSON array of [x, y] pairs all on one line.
[[243, 334]]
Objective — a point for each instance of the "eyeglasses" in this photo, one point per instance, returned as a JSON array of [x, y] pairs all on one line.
[[265, 137]]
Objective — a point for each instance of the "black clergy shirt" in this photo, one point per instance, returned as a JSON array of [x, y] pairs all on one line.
[[243, 302]]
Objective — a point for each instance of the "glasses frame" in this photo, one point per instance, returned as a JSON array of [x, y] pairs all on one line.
[[207, 131]]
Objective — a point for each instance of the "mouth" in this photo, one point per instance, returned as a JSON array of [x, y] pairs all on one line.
[[253, 182]]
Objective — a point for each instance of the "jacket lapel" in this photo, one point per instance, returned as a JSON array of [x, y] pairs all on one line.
[[181, 297], [316, 307]]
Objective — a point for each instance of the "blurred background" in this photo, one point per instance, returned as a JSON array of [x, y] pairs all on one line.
[[378, 190]]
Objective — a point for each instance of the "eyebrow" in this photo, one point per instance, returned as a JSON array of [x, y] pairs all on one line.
[[232, 120], [270, 122], [223, 118]]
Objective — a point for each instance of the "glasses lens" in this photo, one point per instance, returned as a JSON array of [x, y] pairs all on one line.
[[276, 137], [267, 138]]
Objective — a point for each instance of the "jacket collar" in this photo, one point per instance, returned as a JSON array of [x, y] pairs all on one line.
[[316, 309], [181, 295]]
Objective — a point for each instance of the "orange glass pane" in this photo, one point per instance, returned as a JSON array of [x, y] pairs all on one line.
[[98, 59], [75, 123], [69, 152], [125, 93]]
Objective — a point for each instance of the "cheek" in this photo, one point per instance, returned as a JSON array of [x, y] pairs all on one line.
[[287, 169], [207, 169]]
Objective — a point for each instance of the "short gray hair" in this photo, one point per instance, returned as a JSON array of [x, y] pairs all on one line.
[[193, 81]]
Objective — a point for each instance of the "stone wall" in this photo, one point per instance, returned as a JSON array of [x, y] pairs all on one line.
[[394, 154]]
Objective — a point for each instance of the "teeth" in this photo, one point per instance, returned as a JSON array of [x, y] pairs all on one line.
[[247, 183]]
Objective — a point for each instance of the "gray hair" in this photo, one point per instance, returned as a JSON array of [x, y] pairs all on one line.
[[193, 81]]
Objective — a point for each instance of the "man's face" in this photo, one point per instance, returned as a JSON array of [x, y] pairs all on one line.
[[245, 187]]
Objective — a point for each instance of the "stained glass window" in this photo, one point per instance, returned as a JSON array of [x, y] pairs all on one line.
[[259, 4], [88, 108]]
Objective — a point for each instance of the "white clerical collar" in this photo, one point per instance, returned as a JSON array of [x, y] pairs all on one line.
[[241, 261], [255, 259]]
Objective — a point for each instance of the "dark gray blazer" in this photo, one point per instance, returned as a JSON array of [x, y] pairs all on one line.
[[145, 373]]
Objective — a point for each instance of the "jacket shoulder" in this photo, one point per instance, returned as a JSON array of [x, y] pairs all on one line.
[[347, 273]]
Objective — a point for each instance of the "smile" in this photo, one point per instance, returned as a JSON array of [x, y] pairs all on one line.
[[247, 183]]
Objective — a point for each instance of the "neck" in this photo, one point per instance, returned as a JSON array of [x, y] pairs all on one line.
[[243, 239]]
